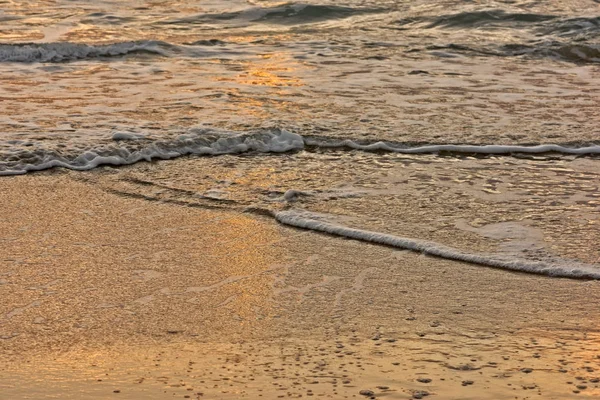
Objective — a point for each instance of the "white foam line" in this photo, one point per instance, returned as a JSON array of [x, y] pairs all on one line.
[[456, 148], [310, 221], [274, 141], [66, 51], [271, 142]]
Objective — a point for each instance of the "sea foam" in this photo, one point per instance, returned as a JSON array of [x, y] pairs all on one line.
[[66, 51], [315, 222], [453, 148], [131, 148], [276, 141]]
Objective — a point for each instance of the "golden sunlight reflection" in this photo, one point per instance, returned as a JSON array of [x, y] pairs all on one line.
[[158, 272], [259, 88], [582, 365], [272, 70], [94, 34], [245, 265], [7, 35]]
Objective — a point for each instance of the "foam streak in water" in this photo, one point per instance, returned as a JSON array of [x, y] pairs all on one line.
[[135, 148], [65, 51], [313, 222], [455, 148]]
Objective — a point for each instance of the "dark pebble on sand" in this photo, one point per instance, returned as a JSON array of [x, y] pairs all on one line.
[[526, 370], [383, 387], [467, 383], [366, 392], [581, 387], [420, 394], [116, 391], [424, 380], [418, 72], [594, 380]]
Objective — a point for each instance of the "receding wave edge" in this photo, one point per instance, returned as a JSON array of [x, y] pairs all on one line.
[[306, 220]]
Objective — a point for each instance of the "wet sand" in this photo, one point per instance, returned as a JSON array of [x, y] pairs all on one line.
[[112, 296]]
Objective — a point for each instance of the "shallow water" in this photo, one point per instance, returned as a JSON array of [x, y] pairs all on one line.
[[82, 85]]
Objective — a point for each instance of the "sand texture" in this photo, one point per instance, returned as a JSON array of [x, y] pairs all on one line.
[[104, 295]]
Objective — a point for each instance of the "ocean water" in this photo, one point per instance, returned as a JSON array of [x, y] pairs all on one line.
[[466, 130]]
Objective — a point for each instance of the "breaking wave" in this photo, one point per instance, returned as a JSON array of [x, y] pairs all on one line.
[[129, 148], [66, 51], [197, 143]]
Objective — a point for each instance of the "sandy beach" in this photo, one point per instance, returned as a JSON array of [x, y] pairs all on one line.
[[261, 199], [104, 295]]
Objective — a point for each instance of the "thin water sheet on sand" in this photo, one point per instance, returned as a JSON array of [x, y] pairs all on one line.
[[536, 208]]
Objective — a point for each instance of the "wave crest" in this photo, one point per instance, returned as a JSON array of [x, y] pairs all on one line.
[[196, 142], [66, 51], [130, 148], [576, 53], [286, 14]]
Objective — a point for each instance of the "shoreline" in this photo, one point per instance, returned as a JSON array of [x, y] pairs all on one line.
[[271, 141], [93, 278]]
